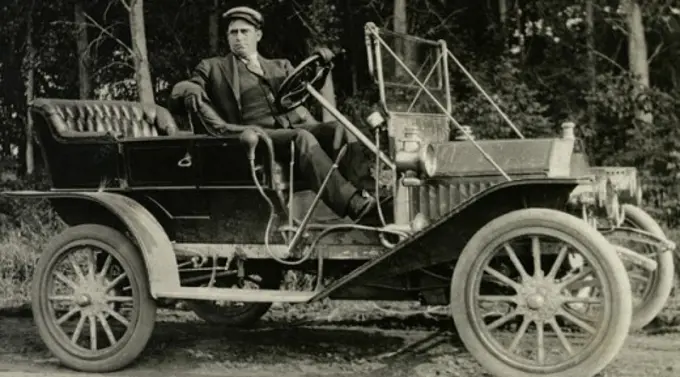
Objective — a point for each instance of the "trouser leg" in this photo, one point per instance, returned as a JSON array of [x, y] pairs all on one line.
[[314, 164], [355, 165]]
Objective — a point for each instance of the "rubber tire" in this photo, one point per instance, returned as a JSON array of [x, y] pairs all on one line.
[[208, 312], [244, 319], [664, 276], [126, 253], [614, 271]]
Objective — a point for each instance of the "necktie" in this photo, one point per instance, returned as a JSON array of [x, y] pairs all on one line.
[[254, 66]]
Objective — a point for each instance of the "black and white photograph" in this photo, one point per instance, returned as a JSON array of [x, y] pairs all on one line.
[[331, 188]]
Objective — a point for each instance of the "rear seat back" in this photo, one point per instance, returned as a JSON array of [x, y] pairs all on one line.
[[124, 119]]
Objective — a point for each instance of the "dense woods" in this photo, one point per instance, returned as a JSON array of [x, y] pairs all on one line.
[[610, 66]]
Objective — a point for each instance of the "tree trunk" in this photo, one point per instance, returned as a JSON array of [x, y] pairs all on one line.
[[352, 55], [29, 66], [403, 48], [592, 69], [503, 19], [141, 57], [503, 11], [400, 24], [214, 28], [82, 43], [637, 51], [13, 89]]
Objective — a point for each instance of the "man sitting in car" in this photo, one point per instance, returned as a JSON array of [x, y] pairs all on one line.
[[240, 86]]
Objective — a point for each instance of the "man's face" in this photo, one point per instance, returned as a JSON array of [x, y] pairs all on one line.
[[243, 38]]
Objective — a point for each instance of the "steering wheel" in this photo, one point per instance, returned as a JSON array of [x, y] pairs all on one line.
[[293, 90]]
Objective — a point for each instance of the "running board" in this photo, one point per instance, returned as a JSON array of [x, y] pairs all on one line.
[[237, 295]]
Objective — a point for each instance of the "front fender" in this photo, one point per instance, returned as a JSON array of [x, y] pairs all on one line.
[[443, 241], [154, 244]]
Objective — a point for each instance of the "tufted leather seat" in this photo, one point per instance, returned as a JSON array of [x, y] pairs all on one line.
[[69, 118]]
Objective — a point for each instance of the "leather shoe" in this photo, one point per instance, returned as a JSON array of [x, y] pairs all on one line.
[[360, 205]]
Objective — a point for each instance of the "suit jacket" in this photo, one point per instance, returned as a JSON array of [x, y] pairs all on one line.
[[218, 77]]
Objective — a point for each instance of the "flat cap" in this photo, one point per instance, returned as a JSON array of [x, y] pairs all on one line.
[[247, 14]]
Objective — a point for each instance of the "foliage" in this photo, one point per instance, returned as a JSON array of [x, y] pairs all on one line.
[[518, 100], [620, 139], [33, 217], [533, 61]]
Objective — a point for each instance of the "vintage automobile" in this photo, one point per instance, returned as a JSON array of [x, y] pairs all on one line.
[[157, 213]]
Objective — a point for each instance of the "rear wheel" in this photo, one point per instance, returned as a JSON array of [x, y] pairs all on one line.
[[91, 301], [525, 325], [237, 314]]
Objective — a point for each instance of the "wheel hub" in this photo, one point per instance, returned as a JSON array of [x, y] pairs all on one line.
[[92, 295], [535, 301], [539, 298], [84, 300]]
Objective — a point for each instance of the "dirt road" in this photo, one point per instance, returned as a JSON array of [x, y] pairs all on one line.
[[275, 349]]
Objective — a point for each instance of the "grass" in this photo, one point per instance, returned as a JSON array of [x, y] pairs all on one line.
[[19, 250], [25, 227]]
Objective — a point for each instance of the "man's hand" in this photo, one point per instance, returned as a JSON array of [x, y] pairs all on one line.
[[326, 54], [193, 99]]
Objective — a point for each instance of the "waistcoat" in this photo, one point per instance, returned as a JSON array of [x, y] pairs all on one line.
[[257, 99]]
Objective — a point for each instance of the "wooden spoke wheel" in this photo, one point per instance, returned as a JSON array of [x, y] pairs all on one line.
[[533, 326], [91, 300], [651, 289], [237, 314]]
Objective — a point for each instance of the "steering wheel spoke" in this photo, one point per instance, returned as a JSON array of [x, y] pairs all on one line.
[[293, 91]]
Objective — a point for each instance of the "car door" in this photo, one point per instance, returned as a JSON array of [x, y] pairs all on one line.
[[160, 162], [224, 163]]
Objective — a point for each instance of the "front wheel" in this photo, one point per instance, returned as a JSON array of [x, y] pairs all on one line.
[[654, 286], [91, 301], [511, 296]]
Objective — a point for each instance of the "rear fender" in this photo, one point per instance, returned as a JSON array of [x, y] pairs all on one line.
[[148, 234], [443, 241]]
